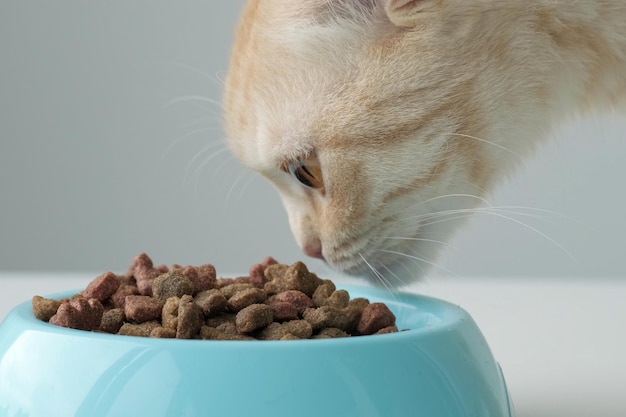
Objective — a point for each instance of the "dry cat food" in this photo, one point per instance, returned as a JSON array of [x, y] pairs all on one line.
[[274, 302]]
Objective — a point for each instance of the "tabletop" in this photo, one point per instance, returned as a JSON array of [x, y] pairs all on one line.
[[561, 342]]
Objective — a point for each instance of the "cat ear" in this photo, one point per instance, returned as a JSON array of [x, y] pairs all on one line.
[[404, 12]]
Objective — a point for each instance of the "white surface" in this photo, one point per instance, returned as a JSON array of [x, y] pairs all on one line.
[[561, 343]]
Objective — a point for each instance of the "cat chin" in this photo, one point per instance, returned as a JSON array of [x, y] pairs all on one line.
[[394, 266], [386, 273], [406, 260]]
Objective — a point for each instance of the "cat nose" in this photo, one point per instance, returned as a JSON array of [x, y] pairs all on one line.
[[313, 248]]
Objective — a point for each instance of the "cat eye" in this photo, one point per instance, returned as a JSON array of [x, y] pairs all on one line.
[[309, 175]]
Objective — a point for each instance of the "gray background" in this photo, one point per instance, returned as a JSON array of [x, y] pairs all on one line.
[[105, 153]]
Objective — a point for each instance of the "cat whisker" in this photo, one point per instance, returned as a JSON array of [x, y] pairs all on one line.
[[245, 171], [540, 233], [497, 145], [417, 239], [419, 259], [220, 76], [181, 138], [401, 281], [457, 214], [229, 159], [383, 281], [414, 239], [199, 121], [198, 101], [506, 209], [200, 154], [193, 69], [477, 198]]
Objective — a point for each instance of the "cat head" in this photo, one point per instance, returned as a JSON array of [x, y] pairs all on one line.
[[379, 122]]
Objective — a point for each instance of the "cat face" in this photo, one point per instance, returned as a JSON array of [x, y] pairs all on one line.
[[375, 121]]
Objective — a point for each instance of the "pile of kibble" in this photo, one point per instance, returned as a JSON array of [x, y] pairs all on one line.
[[274, 302]]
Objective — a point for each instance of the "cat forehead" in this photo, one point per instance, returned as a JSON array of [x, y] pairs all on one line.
[[300, 82]]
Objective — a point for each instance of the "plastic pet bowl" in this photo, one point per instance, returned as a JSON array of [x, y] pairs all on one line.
[[440, 367]]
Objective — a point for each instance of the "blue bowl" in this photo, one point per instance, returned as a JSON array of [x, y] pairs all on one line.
[[441, 366]]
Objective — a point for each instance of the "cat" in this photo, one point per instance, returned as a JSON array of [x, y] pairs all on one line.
[[384, 123]]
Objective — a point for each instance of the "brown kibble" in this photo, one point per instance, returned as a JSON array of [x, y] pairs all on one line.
[[172, 284], [211, 302], [353, 312], [140, 308], [163, 333], [190, 318], [45, 308], [142, 269], [202, 277], [223, 282], [140, 262], [228, 327], [283, 311], [275, 301], [211, 333], [339, 299], [273, 331], [268, 262], [102, 287], [375, 316], [300, 300], [112, 320], [275, 271], [299, 328], [247, 297], [257, 275], [220, 319], [232, 289], [330, 333], [80, 314], [322, 292], [206, 277], [242, 280], [253, 317], [140, 330], [325, 316], [144, 286], [294, 277], [169, 313], [161, 269], [388, 329], [119, 297], [300, 278]]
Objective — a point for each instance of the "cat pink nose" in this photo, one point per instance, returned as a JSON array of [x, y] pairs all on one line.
[[313, 248]]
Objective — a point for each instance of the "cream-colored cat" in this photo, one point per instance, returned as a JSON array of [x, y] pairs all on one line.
[[382, 123]]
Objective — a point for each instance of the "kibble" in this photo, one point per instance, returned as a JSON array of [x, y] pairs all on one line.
[[103, 287], [172, 284], [253, 317], [45, 308], [112, 320], [375, 316], [247, 297], [274, 302], [79, 313], [140, 308], [190, 318]]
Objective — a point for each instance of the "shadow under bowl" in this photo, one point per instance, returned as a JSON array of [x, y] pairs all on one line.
[[440, 367]]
